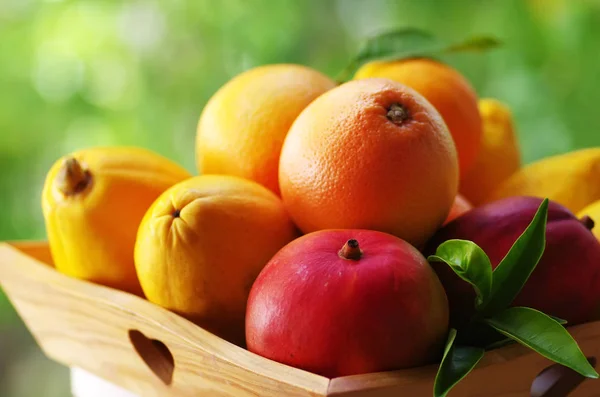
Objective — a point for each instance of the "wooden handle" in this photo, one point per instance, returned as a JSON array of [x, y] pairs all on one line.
[[134, 343]]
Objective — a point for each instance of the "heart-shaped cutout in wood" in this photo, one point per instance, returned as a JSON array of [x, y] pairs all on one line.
[[155, 354]]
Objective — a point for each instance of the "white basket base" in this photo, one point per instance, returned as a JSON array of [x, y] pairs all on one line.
[[85, 384]]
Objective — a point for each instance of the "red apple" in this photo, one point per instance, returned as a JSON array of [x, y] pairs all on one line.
[[344, 302]]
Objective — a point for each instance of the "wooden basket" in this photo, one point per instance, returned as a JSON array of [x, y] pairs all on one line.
[[153, 352]]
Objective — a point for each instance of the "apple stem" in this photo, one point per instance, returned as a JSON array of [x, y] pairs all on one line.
[[72, 178], [351, 250], [587, 222]]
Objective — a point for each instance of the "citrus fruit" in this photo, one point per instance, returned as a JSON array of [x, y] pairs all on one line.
[[93, 201], [447, 90], [592, 212], [499, 157], [242, 127], [203, 242], [568, 178], [369, 154]]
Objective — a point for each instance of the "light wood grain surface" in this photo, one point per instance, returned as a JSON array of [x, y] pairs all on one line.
[[106, 332], [506, 372], [85, 325]]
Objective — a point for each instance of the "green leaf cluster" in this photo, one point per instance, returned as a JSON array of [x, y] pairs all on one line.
[[495, 319]]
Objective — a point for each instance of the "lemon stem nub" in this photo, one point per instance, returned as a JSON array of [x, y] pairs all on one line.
[[587, 222], [72, 178], [351, 250], [397, 114]]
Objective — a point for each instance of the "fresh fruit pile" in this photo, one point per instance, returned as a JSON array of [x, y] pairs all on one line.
[[344, 227]]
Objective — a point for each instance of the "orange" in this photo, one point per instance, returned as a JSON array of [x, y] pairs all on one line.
[[459, 207], [500, 155], [203, 242], [369, 154], [447, 90], [242, 127]]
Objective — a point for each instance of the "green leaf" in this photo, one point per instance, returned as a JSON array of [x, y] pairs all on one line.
[[505, 341], [470, 263], [406, 43], [476, 44], [393, 44], [543, 334], [456, 363], [397, 44], [559, 320], [515, 268]]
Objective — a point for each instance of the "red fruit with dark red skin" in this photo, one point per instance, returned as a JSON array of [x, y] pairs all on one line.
[[566, 281], [383, 309]]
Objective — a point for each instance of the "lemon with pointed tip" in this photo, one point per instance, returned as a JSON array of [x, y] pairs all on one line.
[[93, 201], [593, 212], [568, 178]]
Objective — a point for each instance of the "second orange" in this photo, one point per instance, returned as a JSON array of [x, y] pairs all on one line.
[[371, 154]]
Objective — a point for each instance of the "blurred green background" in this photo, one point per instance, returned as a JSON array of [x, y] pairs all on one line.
[[82, 73]]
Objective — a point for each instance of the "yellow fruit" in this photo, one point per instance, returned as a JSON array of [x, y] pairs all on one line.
[[203, 243], [242, 127], [93, 201], [571, 179], [593, 211], [499, 156]]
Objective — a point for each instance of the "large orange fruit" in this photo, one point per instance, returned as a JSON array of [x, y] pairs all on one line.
[[369, 154], [242, 127], [203, 242], [447, 90]]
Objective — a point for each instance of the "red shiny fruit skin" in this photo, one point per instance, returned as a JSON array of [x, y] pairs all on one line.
[[566, 281], [311, 309]]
